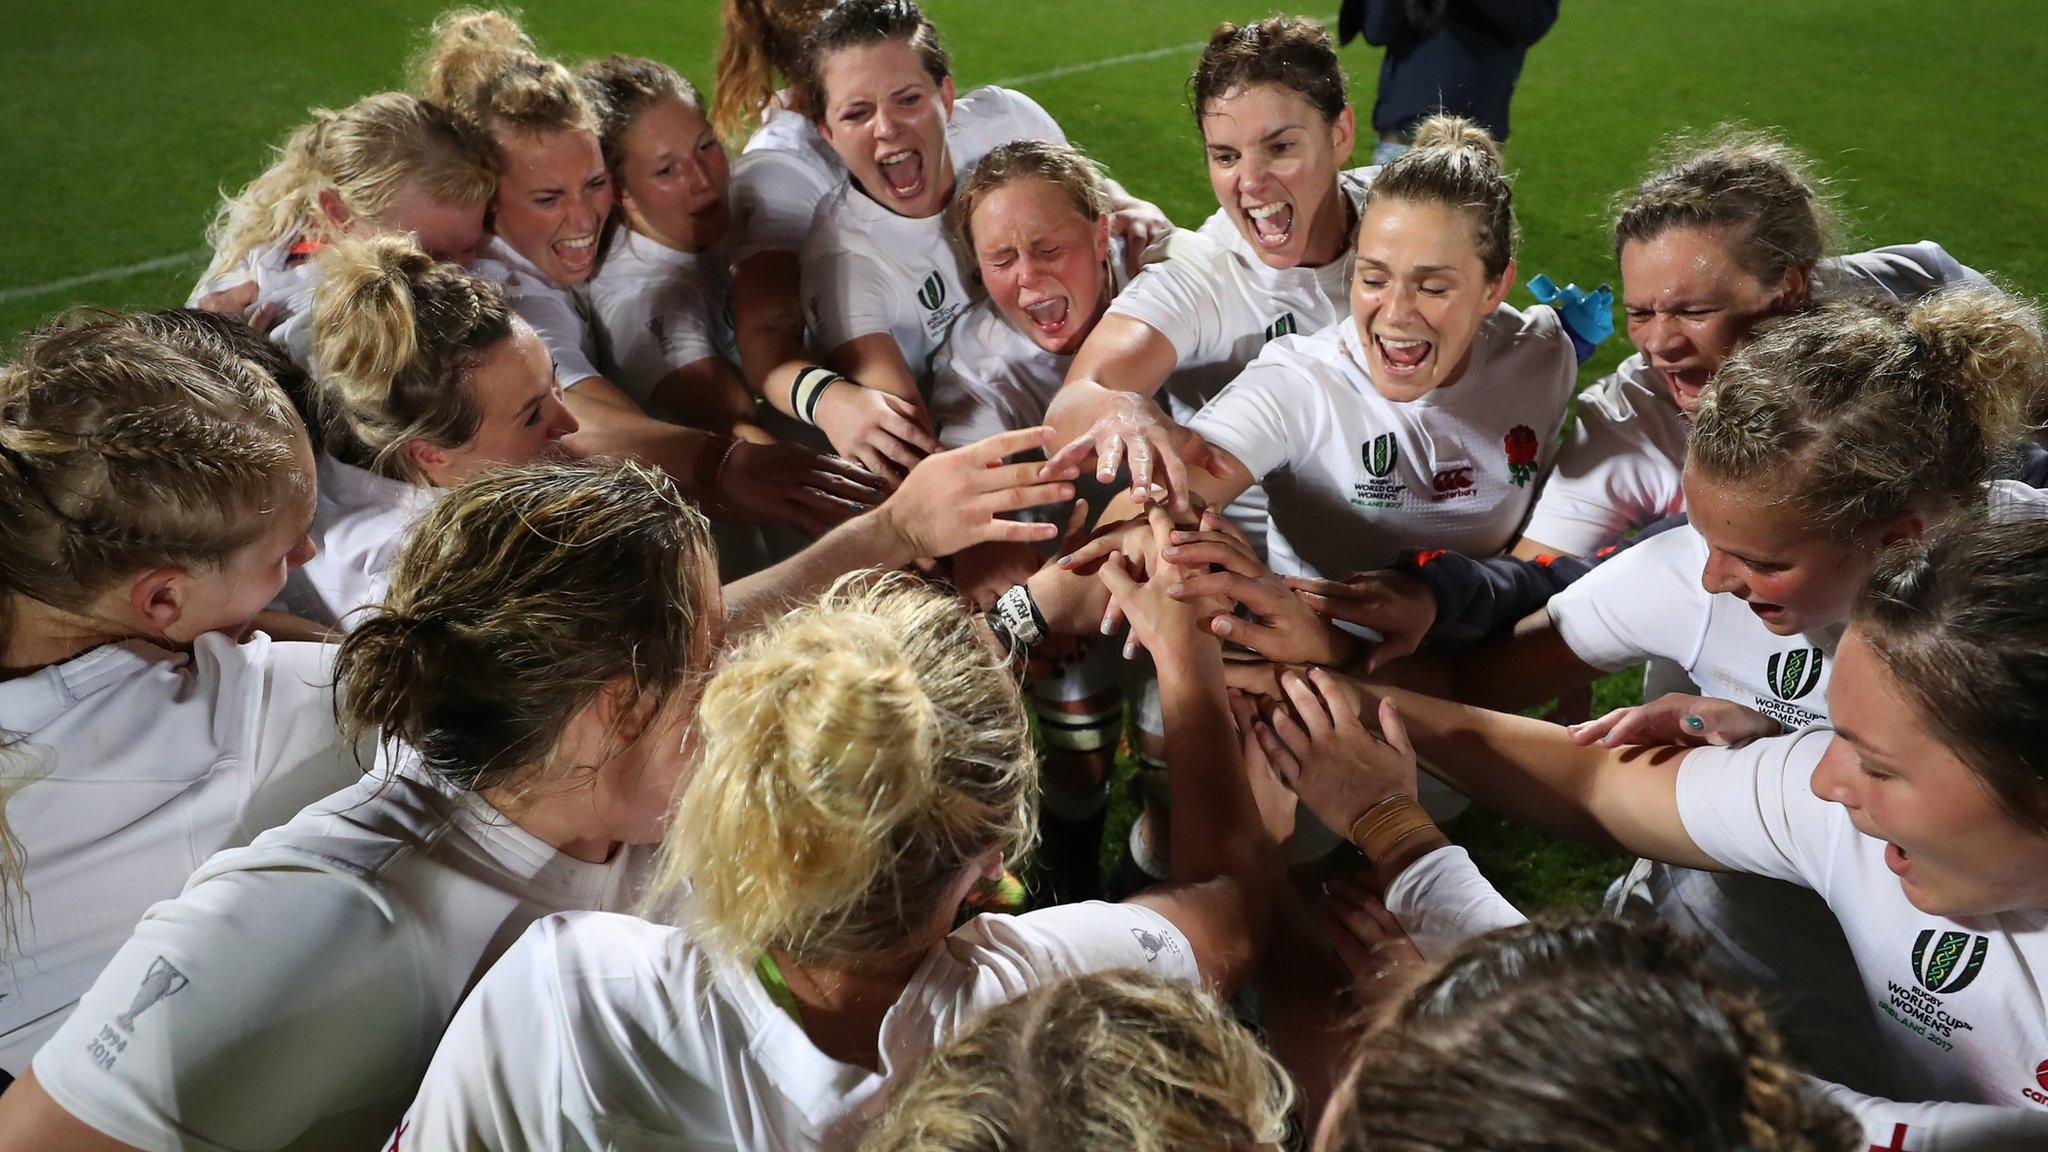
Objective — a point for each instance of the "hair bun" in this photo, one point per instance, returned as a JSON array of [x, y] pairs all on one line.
[[1459, 134]]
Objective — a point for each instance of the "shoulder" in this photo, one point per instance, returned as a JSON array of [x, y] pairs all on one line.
[[998, 114], [1898, 271], [1536, 326], [983, 343]]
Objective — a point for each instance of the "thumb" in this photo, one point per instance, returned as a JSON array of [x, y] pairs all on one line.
[[1395, 729]]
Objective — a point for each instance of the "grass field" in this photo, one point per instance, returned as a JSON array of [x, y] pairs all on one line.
[[121, 120]]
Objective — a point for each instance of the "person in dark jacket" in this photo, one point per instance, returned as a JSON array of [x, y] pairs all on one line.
[[1456, 56]]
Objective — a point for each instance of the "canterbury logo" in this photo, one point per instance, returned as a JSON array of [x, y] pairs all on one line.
[[933, 293], [1793, 673], [1948, 961], [1284, 326], [1381, 454]]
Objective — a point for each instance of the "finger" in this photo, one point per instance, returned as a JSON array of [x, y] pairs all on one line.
[[840, 485], [1068, 460], [1108, 458], [1343, 714], [1266, 641], [1018, 531], [1215, 521], [1395, 730], [1141, 468], [1113, 615], [1308, 707], [1228, 585], [1176, 478], [823, 504], [889, 472], [1328, 589], [1277, 753], [1003, 445], [1253, 680], [1390, 649], [840, 466], [1077, 527], [1090, 552], [900, 452], [902, 422], [1029, 496], [1205, 456], [1115, 577], [1355, 955], [1288, 728], [1592, 730], [1221, 553]]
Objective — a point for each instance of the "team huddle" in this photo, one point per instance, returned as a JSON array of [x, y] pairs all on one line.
[[579, 638]]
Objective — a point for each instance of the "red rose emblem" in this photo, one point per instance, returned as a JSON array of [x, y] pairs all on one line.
[[1522, 447]]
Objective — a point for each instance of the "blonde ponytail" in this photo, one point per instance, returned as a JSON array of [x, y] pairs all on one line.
[[366, 154], [1457, 164], [1866, 409], [396, 336], [482, 66], [855, 756]]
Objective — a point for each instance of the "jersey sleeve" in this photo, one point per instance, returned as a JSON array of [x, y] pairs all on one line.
[[292, 744], [1442, 901], [846, 295], [1606, 483], [489, 1085], [774, 194], [1023, 952], [652, 337], [1030, 119], [1644, 602], [1177, 295], [1260, 417], [242, 1012], [1939, 1125], [1753, 809], [561, 327]]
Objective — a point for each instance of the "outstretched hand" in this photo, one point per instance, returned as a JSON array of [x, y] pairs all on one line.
[[952, 500], [1677, 719]]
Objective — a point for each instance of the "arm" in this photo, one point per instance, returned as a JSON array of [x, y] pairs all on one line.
[[876, 361], [1939, 1125], [880, 431], [949, 501], [1526, 667], [709, 394], [32, 1122], [1225, 857]]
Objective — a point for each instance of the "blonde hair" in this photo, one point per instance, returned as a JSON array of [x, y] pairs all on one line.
[[854, 757], [1105, 1062], [480, 65], [758, 40], [1860, 410], [1456, 163], [367, 154], [122, 452], [1560, 1036], [396, 337], [517, 599], [1060, 165], [1748, 181]]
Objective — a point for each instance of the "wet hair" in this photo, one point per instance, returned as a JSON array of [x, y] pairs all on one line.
[[1455, 163], [396, 339], [758, 41], [626, 87], [518, 598], [1776, 209], [122, 452], [1560, 1037], [1861, 410], [367, 154], [854, 758], [483, 67], [857, 24], [1063, 166], [1292, 52], [1957, 618], [1117, 1061]]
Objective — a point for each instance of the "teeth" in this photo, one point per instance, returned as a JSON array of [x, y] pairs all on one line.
[[578, 242], [896, 158], [1263, 211], [1404, 345], [1042, 307]]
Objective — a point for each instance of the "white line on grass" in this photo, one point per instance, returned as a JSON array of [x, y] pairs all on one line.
[[1113, 61], [10, 295]]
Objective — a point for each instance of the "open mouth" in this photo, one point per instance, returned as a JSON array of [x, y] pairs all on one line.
[[903, 173], [1686, 383], [1897, 859], [1050, 315], [1272, 224], [577, 252], [709, 211], [1766, 611], [1402, 357]]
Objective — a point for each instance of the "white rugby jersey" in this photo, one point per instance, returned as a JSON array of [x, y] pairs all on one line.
[[139, 764], [606, 1032], [1353, 478], [561, 317], [660, 309], [778, 180], [285, 273], [1962, 1005], [293, 995], [1442, 901], [1218, 305], [1621, 465], [360, 523], [868, 270]]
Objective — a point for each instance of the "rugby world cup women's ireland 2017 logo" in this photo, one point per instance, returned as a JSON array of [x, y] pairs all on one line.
[[1948, 961], [1794, 672], [1380, 454], [932, 293], [1522, 447]]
